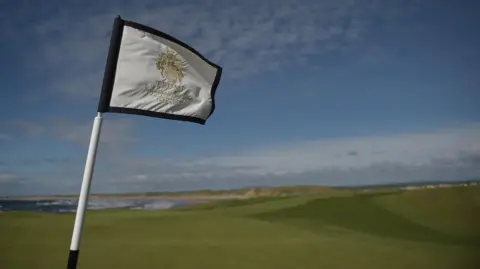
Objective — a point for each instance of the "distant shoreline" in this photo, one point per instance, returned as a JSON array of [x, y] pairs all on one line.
[[246, 193], [186, 198]]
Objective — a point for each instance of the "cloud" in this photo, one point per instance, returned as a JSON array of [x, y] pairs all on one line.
[[27, 128], [449, 154], [246, 37], [444, 154], [4, 137], [6, 178], [115, 134], [140, 177], [41, 184], [406, 149], [10, 184]]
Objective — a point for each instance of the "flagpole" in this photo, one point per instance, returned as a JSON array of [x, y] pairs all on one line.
[[84, 192], [107, 85]]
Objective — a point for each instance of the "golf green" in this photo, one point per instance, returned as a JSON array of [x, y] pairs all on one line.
[[434, 228]]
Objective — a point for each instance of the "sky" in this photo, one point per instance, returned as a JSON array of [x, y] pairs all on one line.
[[325, 92]]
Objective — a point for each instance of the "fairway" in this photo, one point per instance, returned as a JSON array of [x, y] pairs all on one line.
[[435, 228]]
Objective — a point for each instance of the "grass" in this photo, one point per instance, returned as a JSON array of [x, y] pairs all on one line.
[[437, 228]]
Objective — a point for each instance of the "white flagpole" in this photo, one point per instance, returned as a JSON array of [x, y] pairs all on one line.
[[108, 80], [84, 192]]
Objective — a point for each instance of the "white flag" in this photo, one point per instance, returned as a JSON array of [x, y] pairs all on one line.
[[157, 75]]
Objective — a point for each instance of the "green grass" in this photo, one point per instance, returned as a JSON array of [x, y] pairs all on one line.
[[418, 229]]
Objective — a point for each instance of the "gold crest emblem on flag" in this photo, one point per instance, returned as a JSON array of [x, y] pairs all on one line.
[[171, 67], [169, 89]]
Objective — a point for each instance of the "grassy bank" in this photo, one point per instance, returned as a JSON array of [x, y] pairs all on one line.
[[435, 228]]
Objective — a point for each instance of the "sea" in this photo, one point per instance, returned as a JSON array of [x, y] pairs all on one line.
[[66, 206]]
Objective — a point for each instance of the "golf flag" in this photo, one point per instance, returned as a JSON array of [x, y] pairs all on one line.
[[151, 73], [147, 73]]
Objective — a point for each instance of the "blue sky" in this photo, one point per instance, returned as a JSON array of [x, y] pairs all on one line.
[[313, 92]]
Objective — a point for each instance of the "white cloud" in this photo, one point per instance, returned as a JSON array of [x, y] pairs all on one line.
[[6, 178], [446, 154], [27, 128], [115, 133], [4, 137], [421, 156], [140, 177], [244, 37], [417, 149]]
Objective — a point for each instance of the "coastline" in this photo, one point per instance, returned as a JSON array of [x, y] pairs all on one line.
[[186, 198]]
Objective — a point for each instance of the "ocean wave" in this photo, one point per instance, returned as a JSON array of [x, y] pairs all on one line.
[[156, 205], [108, 204], [55, 202], [70, 205]]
